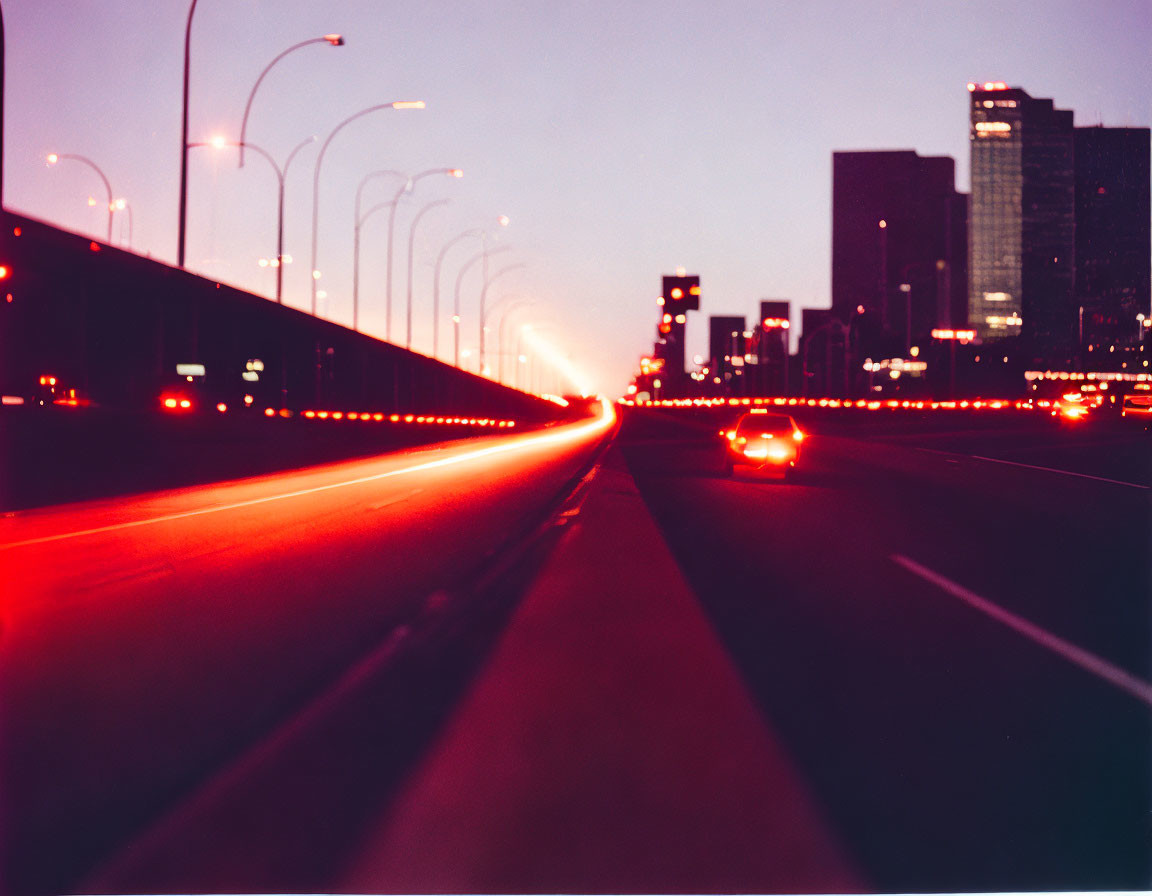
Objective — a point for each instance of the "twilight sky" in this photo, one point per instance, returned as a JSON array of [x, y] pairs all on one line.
[[621, 139]]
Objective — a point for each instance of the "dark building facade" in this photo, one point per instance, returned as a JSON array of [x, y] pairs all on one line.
[[679, 294], [725, 343], [1022, 222], [899, 233], [1113, 239], [768, 349], [824, 353]]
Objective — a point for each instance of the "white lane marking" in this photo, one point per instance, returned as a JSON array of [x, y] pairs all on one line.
[[1114, 675], [565, 435], [997, 460], [1015, 463]]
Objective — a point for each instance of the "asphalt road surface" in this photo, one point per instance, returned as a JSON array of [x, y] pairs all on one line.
[[930, 664], [150, 646], [949, 631]]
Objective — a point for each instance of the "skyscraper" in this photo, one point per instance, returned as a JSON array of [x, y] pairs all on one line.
[[1022, 222], [899, 231], [1113, 240]]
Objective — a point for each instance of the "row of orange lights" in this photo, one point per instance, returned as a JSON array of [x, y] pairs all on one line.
[[870, 404], [380, 417]]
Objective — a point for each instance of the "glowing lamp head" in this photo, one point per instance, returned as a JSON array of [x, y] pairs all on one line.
[[53, 158], [336, 40], [218, 142], [455, 172], [409, 104]]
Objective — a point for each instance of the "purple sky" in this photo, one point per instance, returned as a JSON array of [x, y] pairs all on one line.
[[621, 140]]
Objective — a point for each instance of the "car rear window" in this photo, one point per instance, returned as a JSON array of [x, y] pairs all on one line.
[[775, 424]]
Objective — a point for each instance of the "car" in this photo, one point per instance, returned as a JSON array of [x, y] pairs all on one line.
[[763, 441], [1138, 405]]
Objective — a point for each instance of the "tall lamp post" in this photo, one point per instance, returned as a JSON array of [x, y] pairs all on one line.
[[122, 205], [280, 173], [334, 40], [399, 104], [500, 343], [183, 219], [481, 256], [356, 265], [182, 225], [407, 187], [357, 220], [483, 296], [54, 157], [436, 285], [411, 252]]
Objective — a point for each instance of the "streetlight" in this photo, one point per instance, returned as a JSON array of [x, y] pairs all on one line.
[[500, 344], [483, 295], [906, 288], [334, 40], [357, 220], [183, 214], [456, 303], [398, 105], [475, 231], [405, 188], [53, 158], [411, 248], [280, 174], [356, 260], [182, 224], [122, 205]]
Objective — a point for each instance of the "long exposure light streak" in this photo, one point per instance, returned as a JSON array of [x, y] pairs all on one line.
[[573, 433]]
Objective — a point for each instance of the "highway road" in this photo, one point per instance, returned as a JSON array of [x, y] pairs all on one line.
[[922, 666], [152, 646], [949, 631]]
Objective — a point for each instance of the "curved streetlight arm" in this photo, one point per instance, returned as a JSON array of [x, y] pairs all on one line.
[[90, 164], [387, 203], [292, 155], [507, 312], [411, 252], [456, 300], [483, 296], [407, 187], [383, 172], [360, 219], [436, 286], [217, 144], [55, 157], [319, 163], [334, 39], [280, 173], [471, 261]]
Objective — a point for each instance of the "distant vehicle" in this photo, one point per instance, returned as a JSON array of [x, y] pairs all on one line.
[[763, 441], [1138, 405], [1072, 406]]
